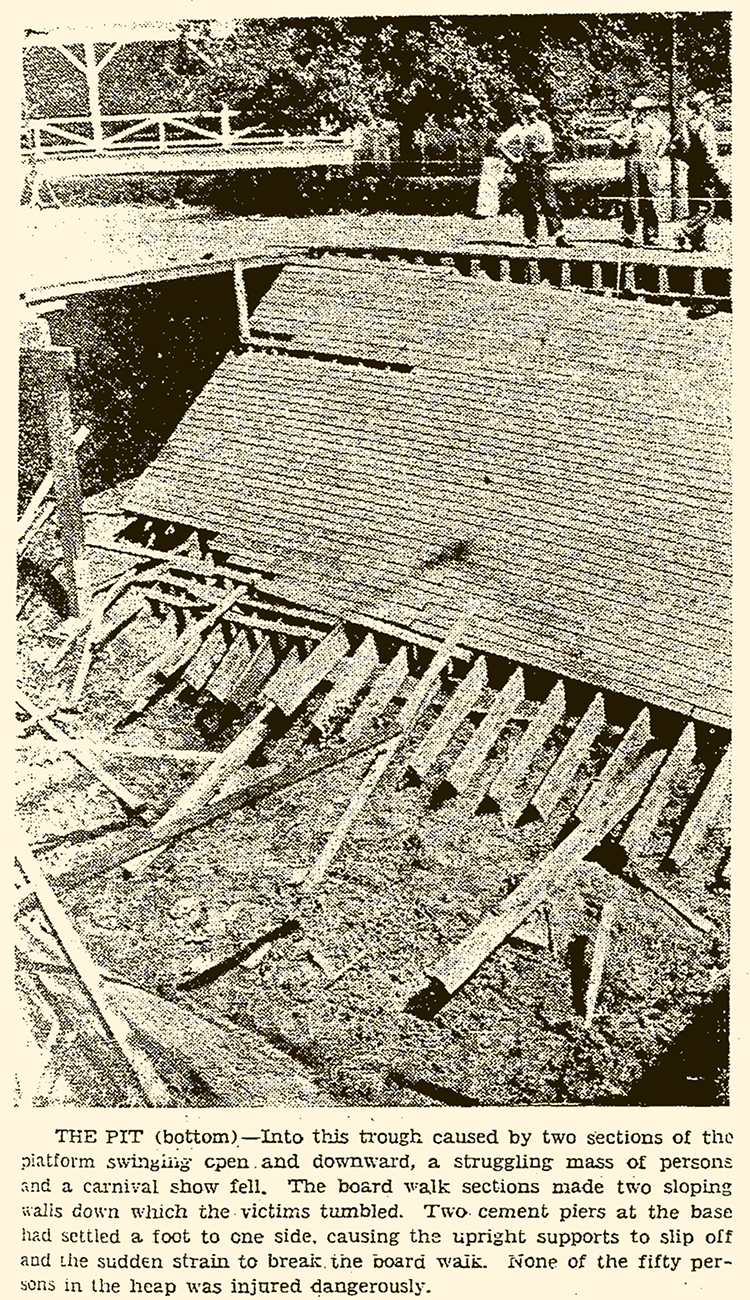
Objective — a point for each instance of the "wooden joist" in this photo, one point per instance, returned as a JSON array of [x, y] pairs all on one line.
[[639, 832], [211, 653], [503, 790], [599, 953], [563, 770], [385, 686], [471, 759], [352, 812], [450, 719], [83, 754], [188, 645], [257, 672], [635, 739], [237, 753], [463, 960], [356, 672], [116, 1027], [705, 813], [291, 685], [419, 699], [236, 662]]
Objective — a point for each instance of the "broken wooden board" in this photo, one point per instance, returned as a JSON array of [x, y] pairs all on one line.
[[385, 686], [449, 719], [209, 656], [523, 753], [426, 688], [471, 759], [292, 683], [355, 673], [83, 754], [236, 662], [635, 739], [705, 812], [130, 847], [255, 675], [463, 960], [236, 753], [29, 524], [118, 1030], [639, 832], [563, 770], [599, 955], [352, 812]]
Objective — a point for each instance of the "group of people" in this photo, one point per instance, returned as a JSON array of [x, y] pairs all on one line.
[[528, 148]]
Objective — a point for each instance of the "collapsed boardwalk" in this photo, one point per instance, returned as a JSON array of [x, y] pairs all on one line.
[[449, 563]]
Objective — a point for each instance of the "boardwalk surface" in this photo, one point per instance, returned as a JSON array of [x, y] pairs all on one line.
[[76, 245]]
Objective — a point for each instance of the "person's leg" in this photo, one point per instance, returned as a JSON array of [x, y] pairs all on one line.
[[701, 204], [487, 193], [548, 200], [630, 204], [528, 201]]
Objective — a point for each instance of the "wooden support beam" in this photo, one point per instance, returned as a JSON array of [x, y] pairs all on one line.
[[187, 646], [599, 954], [291, 685], [356, 672], [474, 755], [116, 1027], [243, 315], [355, 807], [705, 812], [255, 675], [83, 754], [50, 368], [142, 847], [504, 786], [30, 522], [639, 832], [463, 960], [450, 719], [211, 653], [635, 739], [237, 753], [563, 770], [232, 666], [409, 716], [385, 686]]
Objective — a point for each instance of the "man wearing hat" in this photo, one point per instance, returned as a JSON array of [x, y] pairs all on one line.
[[695, 144], [644, 140], [528, 148]]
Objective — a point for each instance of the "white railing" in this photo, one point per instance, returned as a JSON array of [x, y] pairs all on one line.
[[158, 132]]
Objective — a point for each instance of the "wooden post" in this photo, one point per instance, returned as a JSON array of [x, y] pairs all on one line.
[[243, 315], [226, 127], [50, 368], [92, 82]]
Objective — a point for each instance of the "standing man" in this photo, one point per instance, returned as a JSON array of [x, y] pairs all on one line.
[[528, 148], [644, 141], [695, 144]]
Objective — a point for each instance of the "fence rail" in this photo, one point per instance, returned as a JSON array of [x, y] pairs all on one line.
[[160, 133]]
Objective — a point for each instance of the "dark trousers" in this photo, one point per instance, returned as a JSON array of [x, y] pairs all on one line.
[[537, 197], [641, 188], [704, 188]]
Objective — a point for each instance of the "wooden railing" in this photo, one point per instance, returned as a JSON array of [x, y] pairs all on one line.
[[158, 132]]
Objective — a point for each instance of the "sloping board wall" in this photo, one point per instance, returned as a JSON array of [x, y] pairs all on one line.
[[563, 460]]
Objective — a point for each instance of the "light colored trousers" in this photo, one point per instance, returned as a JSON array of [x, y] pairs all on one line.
[[488, 201]]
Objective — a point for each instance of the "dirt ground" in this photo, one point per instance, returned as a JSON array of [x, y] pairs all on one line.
[[410, 883]]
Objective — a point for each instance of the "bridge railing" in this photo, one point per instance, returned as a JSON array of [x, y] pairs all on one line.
[[160, 132]]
